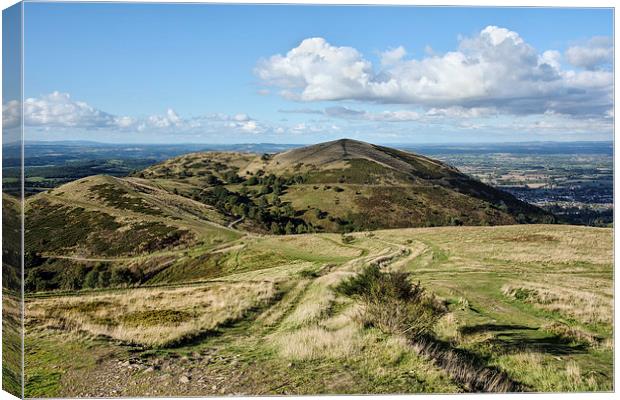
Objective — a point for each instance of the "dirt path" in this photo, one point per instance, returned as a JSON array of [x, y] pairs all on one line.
[[208, 367], [233, 223]]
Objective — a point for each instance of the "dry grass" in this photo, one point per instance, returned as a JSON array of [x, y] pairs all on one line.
[[447, 328], [518, 243], [315, 302], [317, 342], [572, 334], [582, 305], [152, 317], [538, 371]]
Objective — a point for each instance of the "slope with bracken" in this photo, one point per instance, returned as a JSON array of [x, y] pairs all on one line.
[[104, 231], [341, 185], [103, 222]]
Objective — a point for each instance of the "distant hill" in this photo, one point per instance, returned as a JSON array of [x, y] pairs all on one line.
[[129, 229], [343, 185]]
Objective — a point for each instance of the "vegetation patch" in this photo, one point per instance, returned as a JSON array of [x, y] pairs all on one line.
[[155, 317], [584, 306], [391, 303], [151, 317], [118, 197], [54, 227]]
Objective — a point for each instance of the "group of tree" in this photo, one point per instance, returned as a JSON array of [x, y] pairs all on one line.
[[80, 277], [276, 217]]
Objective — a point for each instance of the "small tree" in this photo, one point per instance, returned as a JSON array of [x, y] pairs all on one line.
[[91, 279], [275, 228]]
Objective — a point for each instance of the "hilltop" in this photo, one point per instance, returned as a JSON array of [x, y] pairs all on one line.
[[347, 185], [200, 201]]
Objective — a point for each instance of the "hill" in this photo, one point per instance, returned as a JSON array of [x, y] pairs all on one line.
[[114, 227], [506, 308], [104, 231], [341, 186]]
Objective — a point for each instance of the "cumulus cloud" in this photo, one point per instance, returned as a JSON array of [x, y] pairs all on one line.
[[59, 110], [11, 114], [595, 53], [495, 68]]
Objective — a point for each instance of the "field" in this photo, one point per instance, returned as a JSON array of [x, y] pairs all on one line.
[[522, 307]]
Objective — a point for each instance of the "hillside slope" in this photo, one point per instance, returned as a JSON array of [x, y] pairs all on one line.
[[103, 223], [343, 185], [523, 307], [129, 230]]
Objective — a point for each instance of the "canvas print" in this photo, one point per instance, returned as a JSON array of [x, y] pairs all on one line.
[[229, 199]]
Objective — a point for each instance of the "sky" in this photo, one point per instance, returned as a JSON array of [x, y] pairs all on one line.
[[199, 73]]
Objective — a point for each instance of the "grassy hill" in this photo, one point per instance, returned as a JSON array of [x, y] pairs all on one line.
[[128, 227], [120, 230], [340, 186], [523, 307]]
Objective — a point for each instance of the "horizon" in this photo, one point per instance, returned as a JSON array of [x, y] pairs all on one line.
[[384, 74], [609, 141]]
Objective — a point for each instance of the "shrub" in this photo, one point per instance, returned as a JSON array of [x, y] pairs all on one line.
[[392, 303], [346, 239]]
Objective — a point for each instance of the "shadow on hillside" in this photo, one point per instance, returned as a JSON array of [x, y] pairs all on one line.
[[511, 339], [470, 330]]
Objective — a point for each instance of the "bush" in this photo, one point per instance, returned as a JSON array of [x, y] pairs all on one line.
[[346, 239], [392, 304]]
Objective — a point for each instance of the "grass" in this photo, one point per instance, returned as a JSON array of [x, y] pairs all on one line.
[[11, 343], [587, 307], [151, 317], [279, 325], [563, 315]]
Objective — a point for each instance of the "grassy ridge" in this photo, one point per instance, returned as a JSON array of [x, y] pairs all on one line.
[[306, 337]]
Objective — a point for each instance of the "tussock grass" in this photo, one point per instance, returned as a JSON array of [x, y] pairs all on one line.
[[549, 375], [314, 342], [587, 307], [151, 317], [571, 334]]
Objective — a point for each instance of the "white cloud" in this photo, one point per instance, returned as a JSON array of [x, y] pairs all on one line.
[[397, 115], [11, 113], [595, 53], [59, 110], [461, 112], [383, 116], [495, 68], [168, 120], [393, 56]]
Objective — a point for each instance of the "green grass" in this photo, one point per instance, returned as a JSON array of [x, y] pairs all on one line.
[[507, 330], [466, 267], [155, 317], [47, 359]]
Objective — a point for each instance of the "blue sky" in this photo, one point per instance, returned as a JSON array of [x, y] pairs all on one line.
[[303, 74]]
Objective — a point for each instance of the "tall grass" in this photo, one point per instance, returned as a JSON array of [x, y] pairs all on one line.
[[151, 317], [391, 303], [585, 306]]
